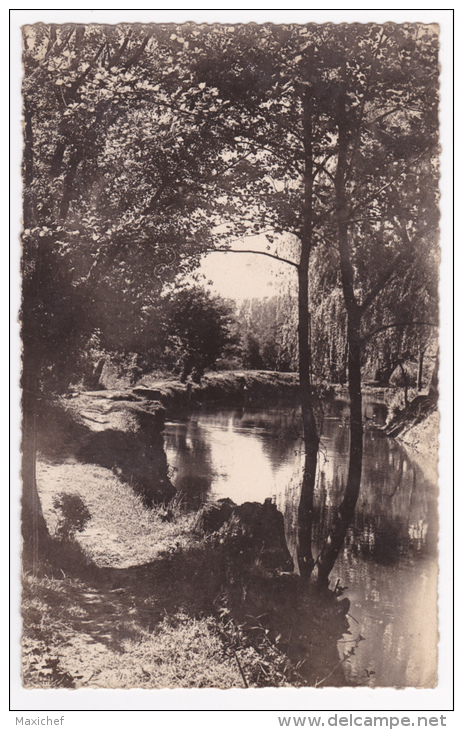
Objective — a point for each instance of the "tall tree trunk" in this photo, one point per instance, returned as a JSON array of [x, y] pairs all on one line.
[[345, 514], [93, 380], [311, 438], [33, 527], [346, 510], [34, 531], [28, 166]]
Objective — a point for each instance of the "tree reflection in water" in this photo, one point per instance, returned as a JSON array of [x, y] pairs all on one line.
[[251, 455]]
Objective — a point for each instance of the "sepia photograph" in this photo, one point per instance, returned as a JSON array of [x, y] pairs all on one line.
[[230, 253]]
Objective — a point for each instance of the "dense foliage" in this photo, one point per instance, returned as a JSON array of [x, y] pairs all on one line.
[[148, 145], [191, 331]]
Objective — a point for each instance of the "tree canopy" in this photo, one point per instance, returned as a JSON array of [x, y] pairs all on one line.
[[148, 145]]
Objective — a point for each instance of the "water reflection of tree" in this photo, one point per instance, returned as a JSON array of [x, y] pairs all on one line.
[[282, 440], [393, 509], [305, 626], [278, 431], [193, 473], [278, 422], [389, 527], [394, 506]]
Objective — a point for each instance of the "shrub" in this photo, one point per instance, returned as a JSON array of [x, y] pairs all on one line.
[[74, 515]]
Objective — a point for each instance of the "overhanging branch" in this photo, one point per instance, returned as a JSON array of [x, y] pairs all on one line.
[[259, 253], [384, 327]]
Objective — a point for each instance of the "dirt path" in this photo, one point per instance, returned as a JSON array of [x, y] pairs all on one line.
[[121, 532], [135, 618], [79, 635]]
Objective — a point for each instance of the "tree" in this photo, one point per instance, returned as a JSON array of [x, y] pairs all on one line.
[[326, 134], [340, 150], [267, 329], [194, 330], [347, 136], [105, 216], [365, 141]]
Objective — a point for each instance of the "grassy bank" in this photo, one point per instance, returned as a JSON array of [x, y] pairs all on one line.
[[120, 530], [247, 387], [138, 597], [76, 635], [422, 437], [133, 598]]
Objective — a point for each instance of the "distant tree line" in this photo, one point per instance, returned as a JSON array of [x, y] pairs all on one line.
[[189, 331]]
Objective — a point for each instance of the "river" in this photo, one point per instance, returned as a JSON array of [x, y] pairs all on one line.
[[389, 561]]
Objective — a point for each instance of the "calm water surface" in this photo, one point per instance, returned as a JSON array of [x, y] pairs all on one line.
[[388, 564]]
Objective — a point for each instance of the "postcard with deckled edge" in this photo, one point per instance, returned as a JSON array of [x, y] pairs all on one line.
[[230, 366]]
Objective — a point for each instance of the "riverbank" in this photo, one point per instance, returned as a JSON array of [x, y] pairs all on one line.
[[140, 597], [137, 596], [417, 426], [83, 630], [238, 387], [417, 430], [246, 387]]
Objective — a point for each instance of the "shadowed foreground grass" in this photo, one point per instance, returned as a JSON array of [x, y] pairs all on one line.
[[76, 636], [132, 597]]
